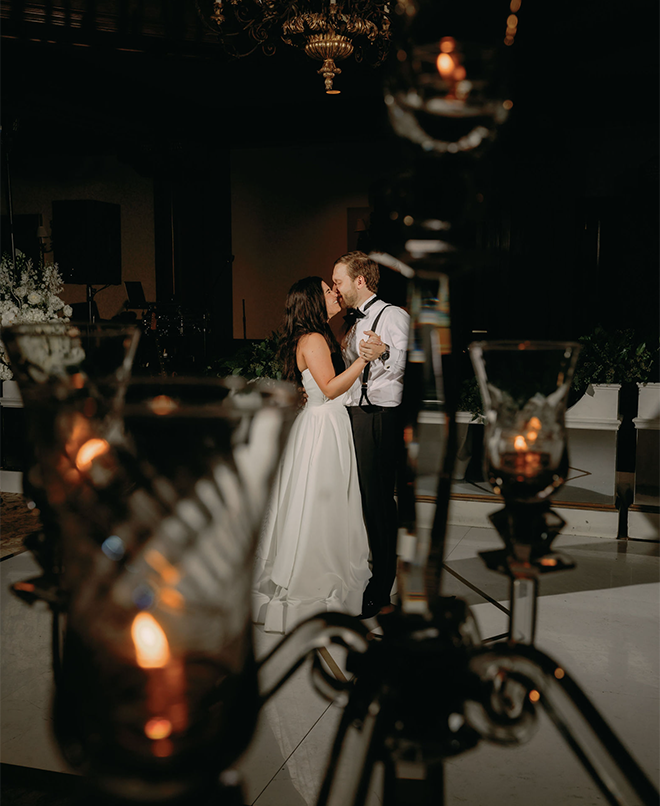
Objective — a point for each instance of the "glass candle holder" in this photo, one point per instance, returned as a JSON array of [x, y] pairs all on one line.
[[158, 690], [446, 87], [524, 387]]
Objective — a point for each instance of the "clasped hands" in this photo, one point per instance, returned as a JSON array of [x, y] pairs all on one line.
[[373, 348]]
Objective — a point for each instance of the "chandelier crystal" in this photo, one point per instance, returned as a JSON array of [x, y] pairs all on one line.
[[329, 31]]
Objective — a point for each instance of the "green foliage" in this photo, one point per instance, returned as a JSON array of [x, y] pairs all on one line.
[[618, 356], [252, 360]]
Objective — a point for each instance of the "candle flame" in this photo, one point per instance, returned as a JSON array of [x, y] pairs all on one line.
[[89, 451], [519, 443], [445, 65], [534, 423], [158, 728], [163, 405], [151, 647]]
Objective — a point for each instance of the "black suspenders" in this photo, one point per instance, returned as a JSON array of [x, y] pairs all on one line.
[[365, 373]]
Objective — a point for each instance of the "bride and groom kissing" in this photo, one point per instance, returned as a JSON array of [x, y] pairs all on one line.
[[332, 503]]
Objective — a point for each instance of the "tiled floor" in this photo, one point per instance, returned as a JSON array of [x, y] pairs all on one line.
[[601, 620]]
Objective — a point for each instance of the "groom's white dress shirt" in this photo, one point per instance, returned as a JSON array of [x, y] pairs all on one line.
[[385, 377]]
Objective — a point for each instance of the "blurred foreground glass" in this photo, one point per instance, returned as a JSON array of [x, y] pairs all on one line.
[[446, 89], [429, 442], [63, 368], [158, 690], [72, 377]]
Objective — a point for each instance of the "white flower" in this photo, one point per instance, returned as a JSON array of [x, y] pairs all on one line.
[[34, 315], [29, 293]]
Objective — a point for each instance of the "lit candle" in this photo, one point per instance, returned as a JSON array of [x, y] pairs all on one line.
[[522, 462], [166, 705], [448, 64]]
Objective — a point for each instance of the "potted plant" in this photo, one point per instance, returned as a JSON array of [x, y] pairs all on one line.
[[611, 365], [608, 360], [251, 361], [616, 356]]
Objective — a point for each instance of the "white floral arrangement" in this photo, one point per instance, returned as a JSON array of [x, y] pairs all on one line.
[[28, 294]]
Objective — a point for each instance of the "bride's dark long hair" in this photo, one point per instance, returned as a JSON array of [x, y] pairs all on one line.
[[305, 312]]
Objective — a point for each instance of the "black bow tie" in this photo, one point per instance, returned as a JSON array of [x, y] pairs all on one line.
[[353, 314]]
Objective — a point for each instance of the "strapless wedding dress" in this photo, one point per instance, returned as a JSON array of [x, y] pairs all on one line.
[[313, 550]]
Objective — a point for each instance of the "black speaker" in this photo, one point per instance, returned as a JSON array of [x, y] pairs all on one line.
[[87, 241]]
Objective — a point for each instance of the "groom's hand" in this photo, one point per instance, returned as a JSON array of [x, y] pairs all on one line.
[[374, 338]]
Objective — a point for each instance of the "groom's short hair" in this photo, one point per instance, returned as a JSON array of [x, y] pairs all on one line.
[[360, 264]]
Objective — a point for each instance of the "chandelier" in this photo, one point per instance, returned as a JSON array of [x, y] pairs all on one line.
[[327, 30]]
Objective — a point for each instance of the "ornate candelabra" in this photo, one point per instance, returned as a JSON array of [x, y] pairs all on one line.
[[429, 690]]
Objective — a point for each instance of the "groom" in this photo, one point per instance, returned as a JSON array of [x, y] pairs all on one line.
[[379, 333]]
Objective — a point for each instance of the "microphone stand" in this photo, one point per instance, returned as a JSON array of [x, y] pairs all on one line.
[[7, 144], [91, 293]]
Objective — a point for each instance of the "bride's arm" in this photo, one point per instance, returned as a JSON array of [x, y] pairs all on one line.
[[314, 354]]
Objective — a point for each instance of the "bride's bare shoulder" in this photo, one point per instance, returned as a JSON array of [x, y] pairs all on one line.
[[312, 341], [310, 346]]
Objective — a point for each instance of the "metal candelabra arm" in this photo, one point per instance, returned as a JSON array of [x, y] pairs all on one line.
[[549, 685], [313, 634]]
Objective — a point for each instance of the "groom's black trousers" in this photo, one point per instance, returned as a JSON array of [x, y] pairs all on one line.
[[377, 436]]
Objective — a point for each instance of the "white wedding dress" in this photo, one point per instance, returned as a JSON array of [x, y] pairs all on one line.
[[313, 551]]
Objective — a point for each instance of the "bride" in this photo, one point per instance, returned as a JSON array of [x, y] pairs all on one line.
[[313, 551]]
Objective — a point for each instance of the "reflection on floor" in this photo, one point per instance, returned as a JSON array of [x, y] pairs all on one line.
[[600, 620]]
